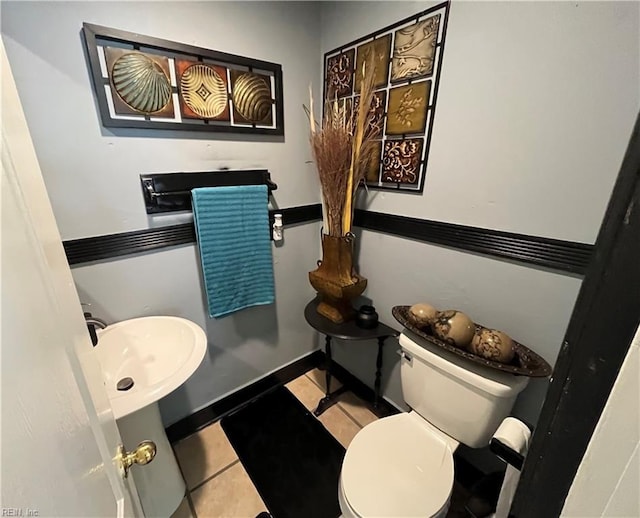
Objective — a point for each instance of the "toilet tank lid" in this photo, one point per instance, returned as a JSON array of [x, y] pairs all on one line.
[[491, 381]]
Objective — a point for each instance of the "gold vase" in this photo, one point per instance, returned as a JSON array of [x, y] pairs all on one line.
[[336, 280]]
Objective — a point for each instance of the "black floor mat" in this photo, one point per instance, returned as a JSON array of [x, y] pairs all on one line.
[[293, 461]]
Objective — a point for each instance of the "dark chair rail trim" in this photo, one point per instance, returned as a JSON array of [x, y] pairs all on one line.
[[560, 255], [566, 256], [126, 243]]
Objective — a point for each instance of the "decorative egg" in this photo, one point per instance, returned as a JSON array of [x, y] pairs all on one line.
[[422, 314], [454, 327], [204, 90], [141, 83], [492, 345], [252, 97]]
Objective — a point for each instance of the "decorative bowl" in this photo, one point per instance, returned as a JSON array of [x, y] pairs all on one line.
[[525, 362]]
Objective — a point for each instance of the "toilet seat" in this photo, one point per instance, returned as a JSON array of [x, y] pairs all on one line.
[[398, 466]]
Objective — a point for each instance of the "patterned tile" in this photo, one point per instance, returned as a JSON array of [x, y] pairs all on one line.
[[148, 73], [414, 50], [376, 113], [401, 161], [339, 75], [203, 90], [408, 109], [252, 97], [381, 49]]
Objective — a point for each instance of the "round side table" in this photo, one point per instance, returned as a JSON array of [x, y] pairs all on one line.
[[346, 331]]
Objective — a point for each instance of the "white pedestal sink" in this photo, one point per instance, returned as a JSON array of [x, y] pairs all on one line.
[[159, 354]]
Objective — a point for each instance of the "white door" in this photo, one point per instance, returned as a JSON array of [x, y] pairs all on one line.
[[59, 437]]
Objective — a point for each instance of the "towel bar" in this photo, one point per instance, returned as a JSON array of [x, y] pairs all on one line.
[[170, 192]]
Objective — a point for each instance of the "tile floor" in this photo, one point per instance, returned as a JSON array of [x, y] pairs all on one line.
[[217, 484]]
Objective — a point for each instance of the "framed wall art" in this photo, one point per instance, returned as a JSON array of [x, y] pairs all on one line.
[[146, 82], [408, 60]]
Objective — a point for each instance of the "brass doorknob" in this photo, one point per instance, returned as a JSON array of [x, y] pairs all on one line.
[[143, 454]]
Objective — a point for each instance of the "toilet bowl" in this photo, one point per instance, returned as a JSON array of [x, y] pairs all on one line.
[[402, 466], [399, 466]]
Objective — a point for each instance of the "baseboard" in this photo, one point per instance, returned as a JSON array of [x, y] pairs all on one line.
[[556, 254], [217, 410], [121, 244]]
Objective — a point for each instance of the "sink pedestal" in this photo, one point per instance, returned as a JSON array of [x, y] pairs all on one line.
[[159, 483], [149, 357]]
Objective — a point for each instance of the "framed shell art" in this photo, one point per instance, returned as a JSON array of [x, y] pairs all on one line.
[[408, 60], [145, 82]]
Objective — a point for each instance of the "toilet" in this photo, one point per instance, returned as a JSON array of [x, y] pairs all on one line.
[[402, 466]]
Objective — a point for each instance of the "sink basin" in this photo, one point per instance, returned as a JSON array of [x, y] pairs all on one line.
[[157, 353]]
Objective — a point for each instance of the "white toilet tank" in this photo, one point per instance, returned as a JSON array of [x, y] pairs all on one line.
[[465, 400]]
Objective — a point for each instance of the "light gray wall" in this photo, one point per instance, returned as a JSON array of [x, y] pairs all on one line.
[[535, 109], [91, 172], [608, 477], [243, 346]]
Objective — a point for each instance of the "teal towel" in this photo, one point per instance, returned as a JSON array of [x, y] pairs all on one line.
[[232, 225]]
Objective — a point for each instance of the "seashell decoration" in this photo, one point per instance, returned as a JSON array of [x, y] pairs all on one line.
[[141, 83], [493, 345], [422, 314], [454, 327], [252, 97], [204, 91]]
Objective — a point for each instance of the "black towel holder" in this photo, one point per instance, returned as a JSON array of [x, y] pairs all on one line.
[[171, 192]]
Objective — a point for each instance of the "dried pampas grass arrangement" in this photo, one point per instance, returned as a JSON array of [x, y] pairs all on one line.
[[342, 147]]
